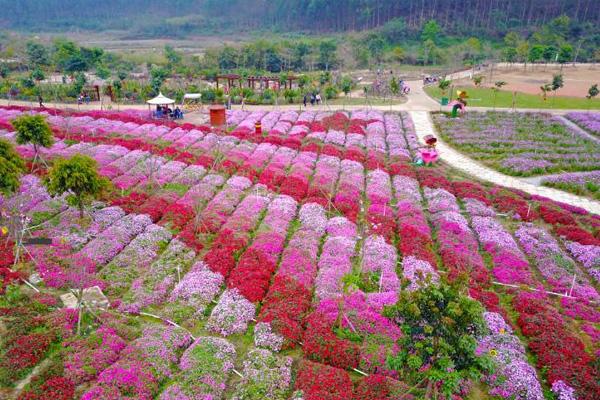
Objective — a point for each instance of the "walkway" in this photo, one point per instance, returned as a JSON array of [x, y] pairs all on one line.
[[424, 126]]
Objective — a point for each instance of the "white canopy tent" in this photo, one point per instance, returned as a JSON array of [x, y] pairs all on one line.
[[192, 102], [192, 96], [160, 100]]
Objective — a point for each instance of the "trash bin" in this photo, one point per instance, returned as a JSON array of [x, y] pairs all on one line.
[[217, 115], [444, 101]]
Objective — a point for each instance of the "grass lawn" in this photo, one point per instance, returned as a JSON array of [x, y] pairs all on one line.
[[484, 97]]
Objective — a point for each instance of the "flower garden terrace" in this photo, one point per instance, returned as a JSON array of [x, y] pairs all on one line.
[[249, 243]]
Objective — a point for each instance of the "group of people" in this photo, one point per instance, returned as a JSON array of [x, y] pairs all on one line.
[[314, 98], [84, 98], [430, 79], [167, 112]]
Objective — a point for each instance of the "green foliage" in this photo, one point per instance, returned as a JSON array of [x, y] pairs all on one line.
[[444, 84], [557, 82], [346, 85], [440, 325], [38, 75], [331, 92], [477, 79], [327, 54], [431, 31], [565, 53], [11, 167], [593, 91], [37, 54], [78, 178], [394, 86], [102, 72], [33, 129], [158, 75]]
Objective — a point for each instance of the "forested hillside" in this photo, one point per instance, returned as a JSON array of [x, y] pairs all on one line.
[[177, 17]]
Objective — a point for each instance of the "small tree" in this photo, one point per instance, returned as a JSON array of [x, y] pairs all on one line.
[[33, 129], [441, 325], [78, 177], [592, 93], [557, 83], [477, 80], [346, 85], [545, 89], [11, 167], [497, 86], [394, 86], [443, 85]]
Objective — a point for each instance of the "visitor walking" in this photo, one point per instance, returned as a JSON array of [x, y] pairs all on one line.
[[318, 98], [304, 101], [312, 99], [41, 101]]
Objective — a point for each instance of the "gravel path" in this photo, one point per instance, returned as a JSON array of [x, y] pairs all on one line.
[[424, 126]]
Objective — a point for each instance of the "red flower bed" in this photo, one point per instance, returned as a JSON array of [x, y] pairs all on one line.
[[155, 207], [378, 387], [332, 150], [576, 234], [55, 388], [434, 179], [252, 275], [556, 216], [509, 203], [321, 382], [375, 160], [313, 147], [130, 203], [285, 307], [295, 187], [471, 190], [402, 169], [26, 351], [177, 216], [221, 257], [356, 154], [558, 351], [322, 345], [188, 236]]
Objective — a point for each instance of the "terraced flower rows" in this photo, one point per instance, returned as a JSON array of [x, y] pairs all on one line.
[[286, 246]]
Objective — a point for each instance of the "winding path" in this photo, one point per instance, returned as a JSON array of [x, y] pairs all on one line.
[[424, 126]]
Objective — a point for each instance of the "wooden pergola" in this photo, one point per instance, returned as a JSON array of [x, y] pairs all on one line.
[[252, 80]]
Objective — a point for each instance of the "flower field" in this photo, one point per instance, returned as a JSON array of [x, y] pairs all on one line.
[[582, 183], [261, 266], [588, 121], [521, 144]]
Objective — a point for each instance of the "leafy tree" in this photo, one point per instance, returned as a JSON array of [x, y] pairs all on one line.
[[398, 53], [33, 129], [327, 54], [549, 53], [477, 79], [346, 85], [4, 70], [557, 83], [157, 78], [545, 89], [227, 58], [523, 52], [37, 54], [172, 56], [431, 31], [122, 75], [535, 53], [376, 45], [443, 85], [565, 54], [394, 86], [38, 75], [592, 93], [77, 177], [11, 167], [299, 51], [512, 39], [79, 83], [102, 72], [441, 325]]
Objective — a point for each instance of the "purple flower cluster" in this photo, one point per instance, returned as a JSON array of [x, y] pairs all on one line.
[[265, 337], [418, 272], [231, 314], [135, 258], [335, 262], [563, 391], [264, 373], [378, 256], [587, 255], [553, 263], [513, 377], [205, 368], [587, 120], [154, 286], [197, 289]]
